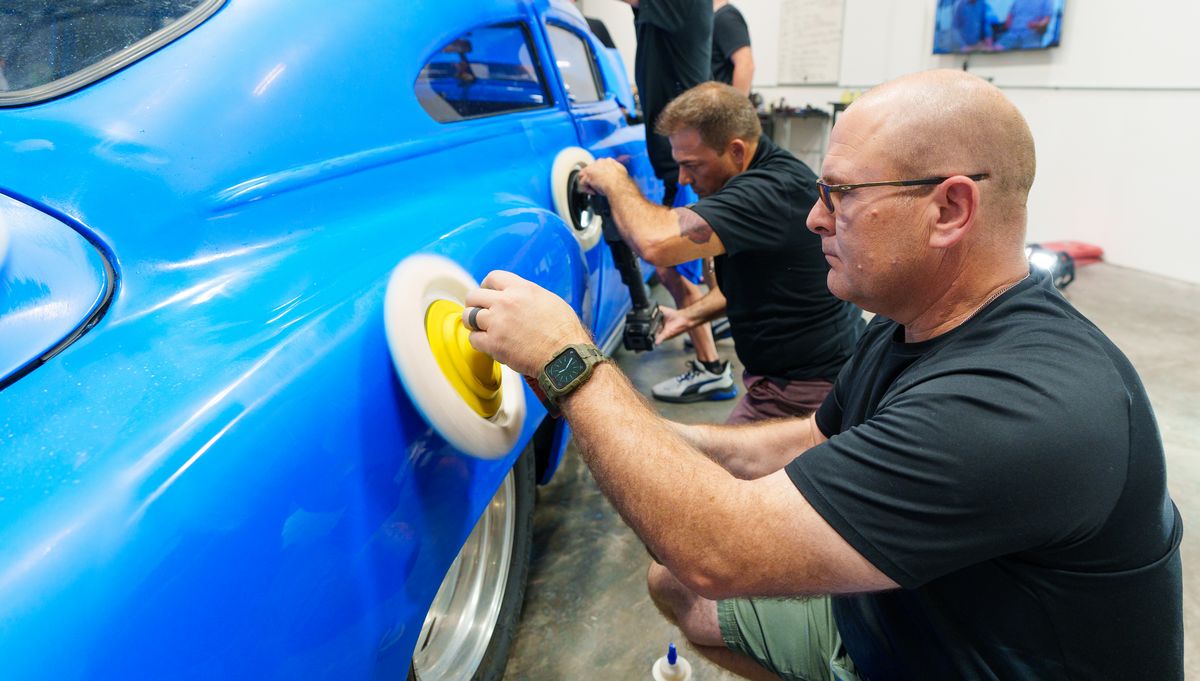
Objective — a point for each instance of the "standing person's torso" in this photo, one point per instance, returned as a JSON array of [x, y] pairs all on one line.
[[1010, 477], [785, 322], [673, 54], [730, 34]]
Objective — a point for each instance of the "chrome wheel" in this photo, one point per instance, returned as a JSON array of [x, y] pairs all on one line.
[[463, 615]]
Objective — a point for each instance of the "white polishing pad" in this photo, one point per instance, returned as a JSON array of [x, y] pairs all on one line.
[[415, 284], [568, 161]]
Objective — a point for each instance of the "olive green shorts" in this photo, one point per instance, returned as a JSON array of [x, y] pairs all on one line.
[[796, 639]]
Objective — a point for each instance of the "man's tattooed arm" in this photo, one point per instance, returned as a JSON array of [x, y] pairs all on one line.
[[693, 227]]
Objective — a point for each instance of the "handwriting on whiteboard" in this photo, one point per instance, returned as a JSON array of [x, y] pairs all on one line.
[[810, 41]]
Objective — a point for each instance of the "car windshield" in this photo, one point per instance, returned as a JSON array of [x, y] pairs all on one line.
[[50, 48]]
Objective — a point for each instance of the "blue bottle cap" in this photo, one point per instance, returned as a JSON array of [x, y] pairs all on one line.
[[672, 655]]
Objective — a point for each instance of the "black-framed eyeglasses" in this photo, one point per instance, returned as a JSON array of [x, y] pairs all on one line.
[[826, 191]]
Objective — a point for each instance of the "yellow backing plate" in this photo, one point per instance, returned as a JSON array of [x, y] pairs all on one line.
[[473, 375]]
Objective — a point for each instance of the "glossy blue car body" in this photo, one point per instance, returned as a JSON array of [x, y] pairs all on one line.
[[208, 467]]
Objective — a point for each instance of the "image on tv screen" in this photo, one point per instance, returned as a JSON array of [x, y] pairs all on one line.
[[964, 26]]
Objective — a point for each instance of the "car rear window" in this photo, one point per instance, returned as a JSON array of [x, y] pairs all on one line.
[[575, 63], [48, 49], [484, 72]]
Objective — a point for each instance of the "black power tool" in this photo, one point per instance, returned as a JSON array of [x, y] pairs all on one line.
[[644, 321]]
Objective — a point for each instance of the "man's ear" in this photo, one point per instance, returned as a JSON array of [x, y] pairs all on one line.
[[957, 204], [738, 150]]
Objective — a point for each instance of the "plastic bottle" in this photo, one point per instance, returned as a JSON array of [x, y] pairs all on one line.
[[671, 667]]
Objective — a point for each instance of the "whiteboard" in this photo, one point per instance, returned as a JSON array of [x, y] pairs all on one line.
[[810, 41]]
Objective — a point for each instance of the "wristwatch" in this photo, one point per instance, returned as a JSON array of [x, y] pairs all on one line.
[[568, 370]]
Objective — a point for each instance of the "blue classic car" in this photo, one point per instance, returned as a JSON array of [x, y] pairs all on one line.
[[210, 466]]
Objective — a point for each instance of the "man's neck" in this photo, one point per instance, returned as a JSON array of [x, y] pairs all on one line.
[[957, 304], [718, 4], [751, 152]]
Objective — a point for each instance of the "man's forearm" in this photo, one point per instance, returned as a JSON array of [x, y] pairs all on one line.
[[697, 518], [710, 306], [662, 235], [642, 224], [754, 450], [646, 469]]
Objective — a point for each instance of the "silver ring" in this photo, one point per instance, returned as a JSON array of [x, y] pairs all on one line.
[[471, 319]]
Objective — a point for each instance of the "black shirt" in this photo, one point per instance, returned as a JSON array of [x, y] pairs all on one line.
[[729, 35], [674, 39], [785, 322], [1009, 476]]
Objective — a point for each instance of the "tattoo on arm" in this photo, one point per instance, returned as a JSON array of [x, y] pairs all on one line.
[[693, 227]]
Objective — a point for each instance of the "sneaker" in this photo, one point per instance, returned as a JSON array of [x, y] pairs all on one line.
[[697, 384], [720, 329]]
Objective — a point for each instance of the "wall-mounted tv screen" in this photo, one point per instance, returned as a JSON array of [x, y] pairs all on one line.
[[964, 26]]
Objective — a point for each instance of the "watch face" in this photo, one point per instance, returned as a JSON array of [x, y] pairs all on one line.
[[565, 368]]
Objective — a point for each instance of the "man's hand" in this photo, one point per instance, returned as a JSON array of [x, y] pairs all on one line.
[[675, 322], [520, 323], [602, 177]]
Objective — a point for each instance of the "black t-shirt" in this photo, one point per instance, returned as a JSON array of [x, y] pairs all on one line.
[[729, 35], [1009, 476], [784, 320], [674, 39]]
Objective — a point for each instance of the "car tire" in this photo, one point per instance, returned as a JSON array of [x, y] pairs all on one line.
[[434, 661]]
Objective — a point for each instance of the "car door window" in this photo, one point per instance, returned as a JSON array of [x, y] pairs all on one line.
[[484, 72], [575, 63]]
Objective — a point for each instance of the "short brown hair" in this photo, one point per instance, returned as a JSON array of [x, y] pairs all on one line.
[[715, 110]]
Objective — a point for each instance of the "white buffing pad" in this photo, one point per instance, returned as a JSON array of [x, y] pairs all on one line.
[[568, 161], [415, 284]]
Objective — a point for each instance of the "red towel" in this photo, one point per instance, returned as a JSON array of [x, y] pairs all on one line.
[[1083, 254]]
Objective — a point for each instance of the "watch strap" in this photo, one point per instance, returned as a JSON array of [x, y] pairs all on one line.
[[591, 356]]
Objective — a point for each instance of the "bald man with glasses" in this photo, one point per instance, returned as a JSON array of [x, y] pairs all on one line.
[[983, 494]]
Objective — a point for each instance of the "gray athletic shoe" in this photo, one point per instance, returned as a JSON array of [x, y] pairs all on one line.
[[697, 384], [720, 328]]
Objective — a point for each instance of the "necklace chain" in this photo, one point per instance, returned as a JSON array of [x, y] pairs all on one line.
[[992, 297]]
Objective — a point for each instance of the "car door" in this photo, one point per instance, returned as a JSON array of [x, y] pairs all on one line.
[[594, 95]]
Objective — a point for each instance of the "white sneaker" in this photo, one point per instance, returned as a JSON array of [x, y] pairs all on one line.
[[720, 330], [697, 384]]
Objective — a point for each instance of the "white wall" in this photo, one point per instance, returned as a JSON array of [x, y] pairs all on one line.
[[1115, 111]]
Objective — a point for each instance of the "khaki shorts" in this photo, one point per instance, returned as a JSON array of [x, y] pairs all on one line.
[[796, 639]]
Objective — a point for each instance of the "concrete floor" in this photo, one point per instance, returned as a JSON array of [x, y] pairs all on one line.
[[587, 615]]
